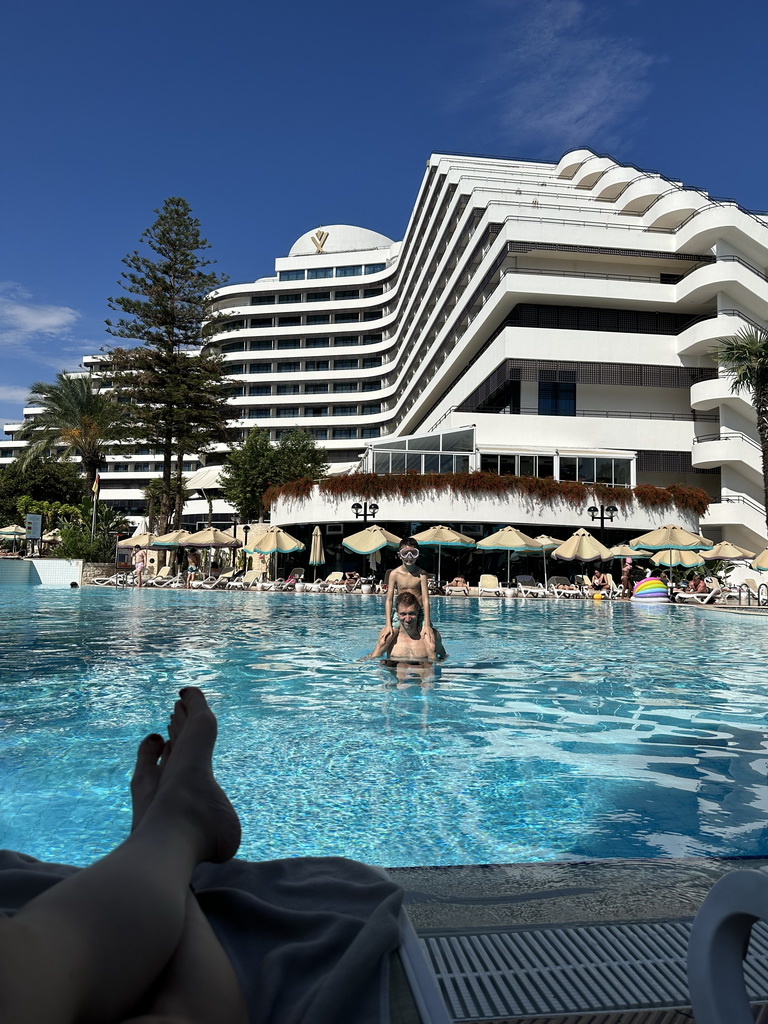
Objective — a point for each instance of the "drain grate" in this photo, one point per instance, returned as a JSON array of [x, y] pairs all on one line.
[[577, 969]]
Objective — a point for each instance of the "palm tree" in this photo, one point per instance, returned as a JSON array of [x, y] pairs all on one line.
[[745, 358], [77, 419]]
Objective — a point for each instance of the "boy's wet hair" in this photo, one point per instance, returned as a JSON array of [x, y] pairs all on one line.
[[407, 600], [409, 542]]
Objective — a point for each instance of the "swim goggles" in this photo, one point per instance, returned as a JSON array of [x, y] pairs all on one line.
[[409, 555]]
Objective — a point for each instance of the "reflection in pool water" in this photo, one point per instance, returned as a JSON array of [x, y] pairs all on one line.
[[555, 730]]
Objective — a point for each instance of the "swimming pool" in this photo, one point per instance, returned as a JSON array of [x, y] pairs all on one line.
[[556, 730]]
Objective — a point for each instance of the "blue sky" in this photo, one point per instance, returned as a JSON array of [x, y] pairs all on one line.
[[273, 119]]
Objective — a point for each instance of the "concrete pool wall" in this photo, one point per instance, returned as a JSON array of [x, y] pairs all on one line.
[[41, 572]]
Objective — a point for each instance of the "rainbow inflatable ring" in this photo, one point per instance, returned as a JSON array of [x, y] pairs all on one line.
[[651, 591]]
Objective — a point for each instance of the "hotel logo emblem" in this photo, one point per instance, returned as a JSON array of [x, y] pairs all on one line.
[[319, 239]]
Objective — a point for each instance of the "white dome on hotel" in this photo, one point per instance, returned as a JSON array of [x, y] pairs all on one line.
[[340, 238]]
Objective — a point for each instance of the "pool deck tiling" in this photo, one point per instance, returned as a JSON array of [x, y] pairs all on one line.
[[587, 942]]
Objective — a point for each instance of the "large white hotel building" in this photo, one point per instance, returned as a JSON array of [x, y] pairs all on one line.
[[537, 319]]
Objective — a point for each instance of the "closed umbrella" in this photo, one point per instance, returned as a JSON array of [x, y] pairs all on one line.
[[442, 537], [316, 550], [547, 544], [582, 547], [509, 539], [372, 538]]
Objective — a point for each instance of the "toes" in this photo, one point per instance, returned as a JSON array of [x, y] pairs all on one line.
[[150, 750], [193, 700]]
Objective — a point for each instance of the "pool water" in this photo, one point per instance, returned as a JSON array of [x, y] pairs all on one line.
[[556, 730]]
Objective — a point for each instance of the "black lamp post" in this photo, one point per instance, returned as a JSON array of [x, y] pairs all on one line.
[[603, 514], [365, 511]]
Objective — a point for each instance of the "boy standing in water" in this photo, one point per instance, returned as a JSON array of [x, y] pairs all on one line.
[[408, 579]]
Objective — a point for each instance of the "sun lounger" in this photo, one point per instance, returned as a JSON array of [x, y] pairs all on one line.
[[718, 946], [489, 584], [528, 587], [219, 582], [118, 579], [164, 578], [246, 581], [708, 598], [333, 579], [561, 586]]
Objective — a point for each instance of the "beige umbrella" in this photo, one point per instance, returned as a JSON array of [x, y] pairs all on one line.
[[372, 538], [175, 539], [211, 538], [728, 551], [442, 537], [275, 540], [316, 550], [509, 539], [11, 532], [760, 562], [582, 547], [143, 540], [625, 551], [670, 538], [678, 559]]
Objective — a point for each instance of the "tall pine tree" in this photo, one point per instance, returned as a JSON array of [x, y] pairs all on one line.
[[177, 391]]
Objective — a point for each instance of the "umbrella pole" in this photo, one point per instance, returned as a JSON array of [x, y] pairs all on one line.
[[544, 554]]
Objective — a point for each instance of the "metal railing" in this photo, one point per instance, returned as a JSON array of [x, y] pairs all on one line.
[[730, 435], [760, 596]]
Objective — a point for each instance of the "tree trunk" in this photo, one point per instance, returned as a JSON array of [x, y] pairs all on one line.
[[761, 407]]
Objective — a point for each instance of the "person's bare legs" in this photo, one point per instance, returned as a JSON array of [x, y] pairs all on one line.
[[89, 948]]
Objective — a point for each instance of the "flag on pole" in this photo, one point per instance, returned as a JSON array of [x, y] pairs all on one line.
[[95, 487]]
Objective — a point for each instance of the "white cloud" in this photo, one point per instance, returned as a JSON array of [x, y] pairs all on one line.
[[559, 78], [11, 393], [21, 320]]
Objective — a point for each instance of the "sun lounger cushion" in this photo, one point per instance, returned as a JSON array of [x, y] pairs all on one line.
[[309, 937]]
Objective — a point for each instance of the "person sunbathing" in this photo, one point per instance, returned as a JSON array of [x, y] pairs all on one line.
[[458, 585], [125, 939], [408, 643]]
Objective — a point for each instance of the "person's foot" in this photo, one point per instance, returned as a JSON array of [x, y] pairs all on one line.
[[175, 778]]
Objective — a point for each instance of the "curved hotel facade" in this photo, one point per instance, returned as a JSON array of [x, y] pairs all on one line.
[[537, 319]]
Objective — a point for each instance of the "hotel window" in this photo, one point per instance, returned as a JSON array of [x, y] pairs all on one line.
[[557, 398], [289, 297], [288, 389], [313, 365], [317, 342], [318, 296], [291, 275], [370, 432], [345, 410], [371, 339], [346, 293], [289, 321], [259, 414], [287, 412], [260, 389], [264, 321], [319, 272], [316, 410], [261, 367], [371, 362], [315, 389], [289, 343], [288, 367], [262, 300], [344, 433], [371, 385], [346, 318], [261, 345], [319, 433], [236, 368], [348, 271], [318, 318], [371, 293], [372, 314], [234, 346], [346, 339], [375, 268], [346, 364], [372, 409]]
